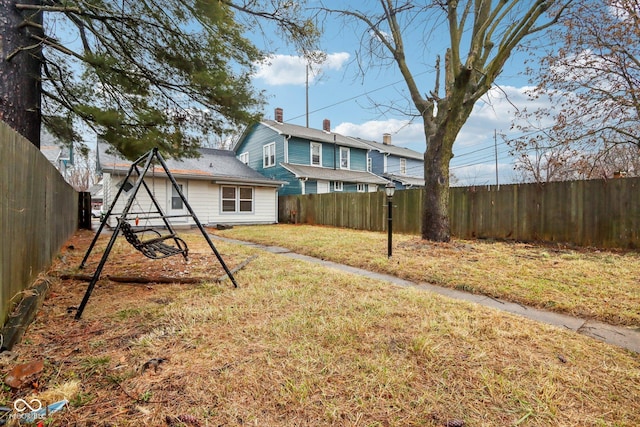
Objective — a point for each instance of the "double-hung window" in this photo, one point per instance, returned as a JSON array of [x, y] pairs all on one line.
[[403, 166], [316, 154], [237, 199], [337, 185], [269, 155], [344, 158], [244, 157]]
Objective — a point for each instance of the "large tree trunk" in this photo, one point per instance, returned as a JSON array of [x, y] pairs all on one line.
[[20, 65], [435, 216]]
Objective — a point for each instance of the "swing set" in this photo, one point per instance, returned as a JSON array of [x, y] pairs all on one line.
[[160, 245]]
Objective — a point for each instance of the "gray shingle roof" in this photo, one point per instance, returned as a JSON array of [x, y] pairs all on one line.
[[316, 135], [213, 164], [392, 149], [414, 181], [326, 174]]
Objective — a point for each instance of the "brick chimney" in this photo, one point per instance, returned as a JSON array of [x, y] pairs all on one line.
[[386, 138], [326, 125], [279, 115]]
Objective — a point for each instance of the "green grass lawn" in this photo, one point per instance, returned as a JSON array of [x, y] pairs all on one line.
[[601, 285], [298, 344]]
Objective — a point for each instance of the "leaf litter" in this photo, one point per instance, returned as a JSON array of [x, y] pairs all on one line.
[[297, 344]]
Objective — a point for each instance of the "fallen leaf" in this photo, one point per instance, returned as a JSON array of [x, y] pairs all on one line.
[[20, 374]]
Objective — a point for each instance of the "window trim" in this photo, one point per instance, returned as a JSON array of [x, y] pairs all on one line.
[[237, 199], [338, 186], [360, 187], [269, 155], [244, 157], [311, 147], [403, 166], [348, 157]]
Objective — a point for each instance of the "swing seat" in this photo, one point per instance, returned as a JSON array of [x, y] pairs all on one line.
[[154, 248]]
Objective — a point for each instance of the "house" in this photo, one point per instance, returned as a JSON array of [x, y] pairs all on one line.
[[311, 161], [60, 156], [219, 188], [403, 166]]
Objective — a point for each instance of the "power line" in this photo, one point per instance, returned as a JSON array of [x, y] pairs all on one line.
[[357, 96]]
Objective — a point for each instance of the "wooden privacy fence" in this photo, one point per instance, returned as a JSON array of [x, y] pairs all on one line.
[[600, 213], [38, 213]]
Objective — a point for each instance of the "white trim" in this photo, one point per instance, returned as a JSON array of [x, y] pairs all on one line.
[[312, 145], [269, 155], [237, 200], [346, 150], [244, 157]]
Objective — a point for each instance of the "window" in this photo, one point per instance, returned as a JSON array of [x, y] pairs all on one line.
[[337, 186], [269, 155], [176, 200], [369, 164], [244, 158], [316, 154], [403, 166], [237, 199], [361, 188], [344, 158]]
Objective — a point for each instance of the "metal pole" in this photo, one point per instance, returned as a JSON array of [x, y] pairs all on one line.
[[389, 226]]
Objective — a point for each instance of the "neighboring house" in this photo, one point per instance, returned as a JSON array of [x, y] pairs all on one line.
[[403, 166], [219, 188], [96, 199], [61, 156], [312, 161]]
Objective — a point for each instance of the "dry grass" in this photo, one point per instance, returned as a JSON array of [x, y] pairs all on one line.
[[601, 285], [300, 345]]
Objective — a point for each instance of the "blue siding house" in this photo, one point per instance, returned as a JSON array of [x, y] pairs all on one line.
[[312, 161], [403, 166]]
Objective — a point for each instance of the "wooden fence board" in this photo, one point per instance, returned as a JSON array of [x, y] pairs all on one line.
[[38, 213], [600, 213]]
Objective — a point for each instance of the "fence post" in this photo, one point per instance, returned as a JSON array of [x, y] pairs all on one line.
[[84, 210]]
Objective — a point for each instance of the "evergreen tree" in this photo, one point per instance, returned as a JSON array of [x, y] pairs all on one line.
[[141, 73]]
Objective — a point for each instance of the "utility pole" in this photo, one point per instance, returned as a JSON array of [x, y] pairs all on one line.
[[495, 146]]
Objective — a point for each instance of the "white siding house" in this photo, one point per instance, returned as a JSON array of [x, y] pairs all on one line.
[[219, 188]]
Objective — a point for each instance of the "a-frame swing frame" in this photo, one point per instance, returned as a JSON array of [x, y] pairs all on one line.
[[147, 160]]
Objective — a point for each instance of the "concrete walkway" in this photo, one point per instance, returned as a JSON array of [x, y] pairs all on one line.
[[616, 335]]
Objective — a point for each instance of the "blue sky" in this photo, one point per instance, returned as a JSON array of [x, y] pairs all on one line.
[[338, 93]]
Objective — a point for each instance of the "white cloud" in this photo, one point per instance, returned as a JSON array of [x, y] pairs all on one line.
[[279, 70], [403, 133]]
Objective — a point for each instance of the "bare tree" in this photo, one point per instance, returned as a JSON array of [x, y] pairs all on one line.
[[591, 76], [480, 37]]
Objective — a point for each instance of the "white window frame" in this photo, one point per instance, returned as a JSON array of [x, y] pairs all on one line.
[[269, 155], [237, 200], [361, 187], [313, 145], [244, 157], [403, 166], [345, 158], [337, 186]]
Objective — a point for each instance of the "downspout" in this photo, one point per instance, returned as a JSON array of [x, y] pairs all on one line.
[[286, 148], [334, 152]]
